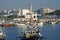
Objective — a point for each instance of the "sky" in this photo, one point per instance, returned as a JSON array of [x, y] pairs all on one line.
[[37, 4]]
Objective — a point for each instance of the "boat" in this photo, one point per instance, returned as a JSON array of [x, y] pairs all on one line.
[[18, 23], [53, 23], [7, 25], [2, 36], [40, 24], [1, 24], [31, 33]]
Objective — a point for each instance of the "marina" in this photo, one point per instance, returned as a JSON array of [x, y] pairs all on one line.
[[29, 23]]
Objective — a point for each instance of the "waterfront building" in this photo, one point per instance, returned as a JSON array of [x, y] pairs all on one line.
[[28, 13], [20, 18], [6, 13], [57, 12], [20, 13], [28, 16], [31, 14], [45, 13], [39, 14], [46, 10], [25, 11], [3, 13], [14, 12]]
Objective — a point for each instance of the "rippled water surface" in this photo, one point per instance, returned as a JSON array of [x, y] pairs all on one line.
[[51, 32]]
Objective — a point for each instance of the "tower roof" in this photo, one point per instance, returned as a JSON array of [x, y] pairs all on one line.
[[30, 6]]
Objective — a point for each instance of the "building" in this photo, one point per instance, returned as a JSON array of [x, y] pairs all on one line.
[[24, 11], [57, 12], [20, 18], [3, 13], [39, 14], [14, 13], [31, 16], [30, 7], [19, 13], [46, 10]]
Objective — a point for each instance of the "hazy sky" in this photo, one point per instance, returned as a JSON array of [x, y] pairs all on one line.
[[4, 4]]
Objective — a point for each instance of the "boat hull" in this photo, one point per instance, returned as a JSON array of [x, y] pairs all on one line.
[[2, 39], [32, 39]]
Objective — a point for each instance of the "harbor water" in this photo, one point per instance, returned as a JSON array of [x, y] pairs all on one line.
[[50, 32]]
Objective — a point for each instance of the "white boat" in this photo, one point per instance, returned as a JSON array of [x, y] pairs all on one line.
[[1, 23], [19, 24], [53, 22], [2, 36], [40, 23], [31, 33]]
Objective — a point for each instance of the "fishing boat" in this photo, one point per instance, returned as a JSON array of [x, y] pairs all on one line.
[[31, 33], [2, 36]]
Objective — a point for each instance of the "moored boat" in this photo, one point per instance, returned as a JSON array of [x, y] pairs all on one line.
[[31, 33], [7, 25], [40, 24], [2, 36]]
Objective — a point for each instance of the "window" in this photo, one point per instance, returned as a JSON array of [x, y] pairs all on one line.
[[34, 17]]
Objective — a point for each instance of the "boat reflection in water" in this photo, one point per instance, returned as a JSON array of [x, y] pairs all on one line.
[[31, 33]]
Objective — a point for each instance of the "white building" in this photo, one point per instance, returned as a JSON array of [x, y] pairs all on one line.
[[25, 14], [25, 11], [14, 12], [19, 12], [31, 16], [46, 10], [20, 18]]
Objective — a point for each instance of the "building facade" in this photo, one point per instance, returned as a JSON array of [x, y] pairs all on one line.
[[46, 10]]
